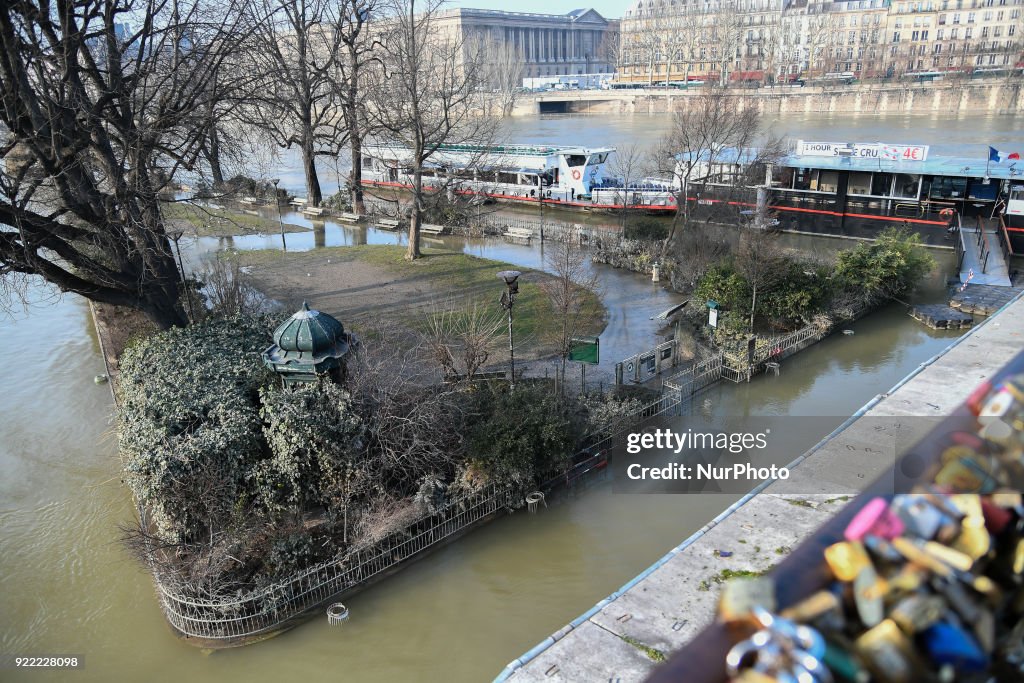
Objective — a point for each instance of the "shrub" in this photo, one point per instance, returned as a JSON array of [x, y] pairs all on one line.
[[888, 267], [313, 436], [188, 422], [524, 436]]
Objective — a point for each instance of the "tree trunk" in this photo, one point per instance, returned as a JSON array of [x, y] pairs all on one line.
[[753, 306], [314, 196], [356, 136], [213, 157], [413, 252]]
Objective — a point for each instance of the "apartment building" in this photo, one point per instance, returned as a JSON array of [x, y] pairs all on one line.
[[771, 41]]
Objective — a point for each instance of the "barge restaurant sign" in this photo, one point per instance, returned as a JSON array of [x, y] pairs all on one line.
[[863, 150]]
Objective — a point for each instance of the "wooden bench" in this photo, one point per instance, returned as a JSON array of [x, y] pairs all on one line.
[[387, 224], [350, 217], [519, 234], [431, 229], [314, 211]]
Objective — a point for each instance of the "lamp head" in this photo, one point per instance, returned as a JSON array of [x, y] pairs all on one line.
[[509, 276]]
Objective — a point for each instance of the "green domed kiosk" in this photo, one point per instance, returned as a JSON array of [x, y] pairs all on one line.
[[307, 346]]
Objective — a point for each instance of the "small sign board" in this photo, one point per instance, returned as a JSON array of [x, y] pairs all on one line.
[[585, 350], [713, 317]]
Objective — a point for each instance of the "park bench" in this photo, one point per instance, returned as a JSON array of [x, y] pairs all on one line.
[[314, 211], [387, 224], [431, 229], [350, 217], [297, 202], [519, 234]]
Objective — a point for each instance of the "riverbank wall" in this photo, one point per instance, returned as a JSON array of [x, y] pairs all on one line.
[[961, 96], [627, 634]]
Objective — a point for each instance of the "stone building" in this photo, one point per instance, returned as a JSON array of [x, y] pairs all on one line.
[[580, 42], [768, 41]]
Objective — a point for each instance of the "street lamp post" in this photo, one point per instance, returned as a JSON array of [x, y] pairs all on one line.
[[508, 298], [175, 236], [277, 203]]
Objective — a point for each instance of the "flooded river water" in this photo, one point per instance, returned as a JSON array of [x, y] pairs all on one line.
[[68, 587]]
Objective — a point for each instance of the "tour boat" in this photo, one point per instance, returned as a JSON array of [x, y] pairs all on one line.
[[858, 189], [569, 177]]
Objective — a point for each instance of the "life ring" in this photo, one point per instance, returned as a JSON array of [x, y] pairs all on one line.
[[946, 212], [576, 174]]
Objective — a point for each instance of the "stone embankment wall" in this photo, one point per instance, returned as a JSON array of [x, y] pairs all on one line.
[[996, 96]]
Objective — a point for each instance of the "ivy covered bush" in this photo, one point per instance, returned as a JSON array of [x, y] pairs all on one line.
[[527, 435], [314, 438], [189, 423]]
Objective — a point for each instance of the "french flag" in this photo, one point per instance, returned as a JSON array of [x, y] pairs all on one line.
[[999, 157]]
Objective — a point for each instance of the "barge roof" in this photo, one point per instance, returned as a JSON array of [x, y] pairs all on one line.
[[949, 166], [509, 150]]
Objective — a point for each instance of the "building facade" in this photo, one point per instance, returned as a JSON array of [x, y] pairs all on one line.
[[580, 42], [775, 41]]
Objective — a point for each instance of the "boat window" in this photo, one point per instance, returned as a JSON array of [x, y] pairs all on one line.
[[1017, 193], [947, 188], [906, 185], [782, 176], [367, 162], [881, 184], [599, 158], [576, 159], [825, 181], [979, 189], [860, 183], [802, 179]]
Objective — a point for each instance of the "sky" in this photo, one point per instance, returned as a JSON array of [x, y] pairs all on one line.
[[610, 9]]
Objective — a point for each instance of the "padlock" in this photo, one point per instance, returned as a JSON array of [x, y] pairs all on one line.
[[918, 612], [846, 559], [968, 474], [946, 643], [882, 550], [888, 653], [875, 519], [844, 665], [740, 597], [813, 607], [950, 556], [996, 518], [919, 517], [868, 591], [912, 553]]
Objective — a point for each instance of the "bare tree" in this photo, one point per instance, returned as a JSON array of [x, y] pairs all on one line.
[[99, 119], [360, 53], [711, 143], [296, 51], [571, 292], [424, 96], [630, 163], [461, 341], [758, 259]]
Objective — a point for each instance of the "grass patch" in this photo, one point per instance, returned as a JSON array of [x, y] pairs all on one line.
[[209, 222], [799, 502], [653, 653], [464, 279]]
